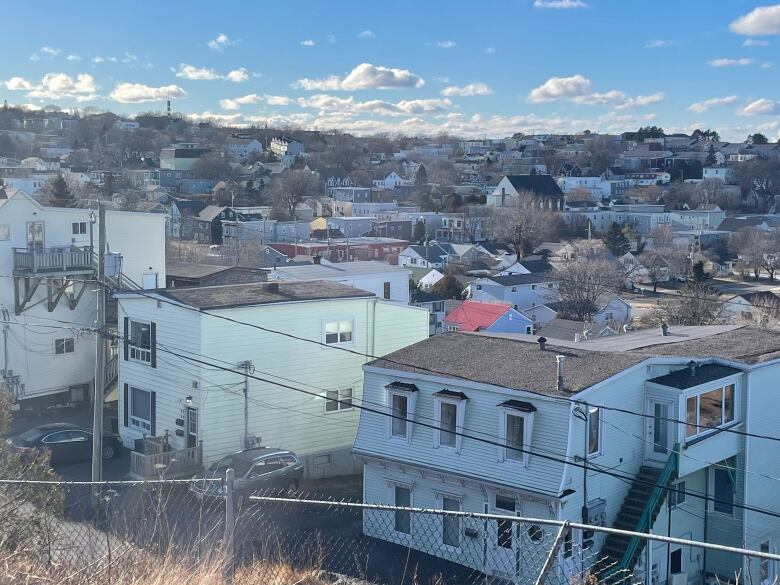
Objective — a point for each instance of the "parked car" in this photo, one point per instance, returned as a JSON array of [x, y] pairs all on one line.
[[66, 442], [260, 469]]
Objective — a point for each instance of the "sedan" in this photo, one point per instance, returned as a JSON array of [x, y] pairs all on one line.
[[66, 442], [260, 470]]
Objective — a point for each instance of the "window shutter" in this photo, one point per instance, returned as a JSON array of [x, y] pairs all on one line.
[[126, 337], [126, 404], [153, 404], [153, 344]]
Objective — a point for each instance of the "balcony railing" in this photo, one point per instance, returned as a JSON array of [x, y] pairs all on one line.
[[52, 260], [166, 464]]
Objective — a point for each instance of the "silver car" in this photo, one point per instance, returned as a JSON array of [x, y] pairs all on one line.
[[261, 470]]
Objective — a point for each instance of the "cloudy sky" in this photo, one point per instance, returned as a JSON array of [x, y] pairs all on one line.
[[488, 68]]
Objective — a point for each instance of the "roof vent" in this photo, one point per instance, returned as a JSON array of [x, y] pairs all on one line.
[[542, 341], [272, 287], [692, 367], [559, 359]]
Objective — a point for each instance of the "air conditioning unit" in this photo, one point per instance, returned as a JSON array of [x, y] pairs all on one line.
[[679, 579]]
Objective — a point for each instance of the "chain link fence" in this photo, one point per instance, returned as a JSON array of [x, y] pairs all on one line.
[[96, 533]]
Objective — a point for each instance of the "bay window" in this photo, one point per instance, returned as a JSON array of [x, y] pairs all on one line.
[[709, 410]]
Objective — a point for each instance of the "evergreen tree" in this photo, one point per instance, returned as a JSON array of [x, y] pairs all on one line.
[[697, 274], [758, 138], [59, 194], [711, 160], [448, 288], [616, 241], [418, 235]]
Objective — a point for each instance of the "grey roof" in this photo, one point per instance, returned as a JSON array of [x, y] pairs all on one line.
[[540, 185], [514, 361], [210, 212], [191, 270], [561, 328], [519, 279], [250, 294], [338, 270], [682, 378]]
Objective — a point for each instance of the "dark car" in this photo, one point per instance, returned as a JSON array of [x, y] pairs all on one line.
[[261, 470], [67, 442]]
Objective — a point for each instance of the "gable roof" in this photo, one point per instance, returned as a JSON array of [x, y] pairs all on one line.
[[210, 212], [539, 185], [475, 316], [519, 279]]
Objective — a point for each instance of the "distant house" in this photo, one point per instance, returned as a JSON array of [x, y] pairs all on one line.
[[520, 291], [609, 309], [285, 146], [428, 281], [473, 316], [756, 307], [570, 330], [241, 148], [210, 219], [178, 274], [543, 189], [430, 256], [437, 308], [181, 157]]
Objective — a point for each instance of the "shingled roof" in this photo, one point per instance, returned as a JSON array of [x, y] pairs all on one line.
[[539, 185]]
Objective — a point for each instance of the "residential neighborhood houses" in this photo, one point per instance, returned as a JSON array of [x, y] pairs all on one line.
[[568, 327]]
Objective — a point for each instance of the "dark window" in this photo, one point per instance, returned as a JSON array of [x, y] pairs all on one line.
[[403, 519], [675, 562], [387, 290]]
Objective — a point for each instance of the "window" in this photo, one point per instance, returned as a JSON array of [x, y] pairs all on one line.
[[79, 228], [533, 287], [140, 340], [722, 488], [141, 409], [675, 562], [505, 528], [5, 231], [766, 574], [338, 332], [386, 291], [336, 400], [399, 426], [63, 346], [709, 410], [450, 529], [594, 431], [438, 306], [514, 431], [677, 494], [447, 423], [402, 497]]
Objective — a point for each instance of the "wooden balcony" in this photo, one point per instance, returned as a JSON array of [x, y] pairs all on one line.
[[166, 464], [53, 261]]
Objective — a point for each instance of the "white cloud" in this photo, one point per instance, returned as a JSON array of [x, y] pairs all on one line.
[[755, 43], [97, 59], [766, 65], [364, 76], [557, 88], [743, 62], [559, 4], [18, 84], [50, 51], [366, 34], [133, 93], [35, 57], [73, 57], [347, 106], [220, 42], [129, 58], [55, 86], [577, 88], [477, 88], [489, 51], [277, 100], [760, 107], [659, 43], [703, 106], [446, 44], [308, 43], [236, 103], [196, 73], [221, 119], [764, 20], [237, 75]]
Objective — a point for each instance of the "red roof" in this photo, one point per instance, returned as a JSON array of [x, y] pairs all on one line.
[[473, 315]]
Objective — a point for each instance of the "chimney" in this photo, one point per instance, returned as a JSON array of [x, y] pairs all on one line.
[[692, 368], [542, 341], [272, 287], [559, 359], [664, 329]]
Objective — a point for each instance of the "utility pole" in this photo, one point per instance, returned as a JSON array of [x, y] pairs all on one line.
[[100, 351], [249, 368]]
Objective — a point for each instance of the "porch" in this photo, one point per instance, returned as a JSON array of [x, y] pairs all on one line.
[[154, 459], [66, 260]]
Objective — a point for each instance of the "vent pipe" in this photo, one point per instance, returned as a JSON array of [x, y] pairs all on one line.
[[559, 359], [692, 368], [542, 341]]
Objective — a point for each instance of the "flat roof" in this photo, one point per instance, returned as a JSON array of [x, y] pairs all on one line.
[[250, 294], [340, 270]]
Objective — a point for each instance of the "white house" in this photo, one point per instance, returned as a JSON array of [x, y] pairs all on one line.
[[306, 341], [431, 278], [241, 148], [284, 146], [392, 181], [48, 303], [488, 423]]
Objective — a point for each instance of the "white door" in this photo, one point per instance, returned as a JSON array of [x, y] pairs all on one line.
[[659, 431], [502, 539], [149, 281]]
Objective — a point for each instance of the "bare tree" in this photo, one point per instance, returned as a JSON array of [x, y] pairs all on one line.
[[478, 222], [662, 236], [294, 188], [656, 265], [697, 303], [750, 245], [525, 226], [582, 282]]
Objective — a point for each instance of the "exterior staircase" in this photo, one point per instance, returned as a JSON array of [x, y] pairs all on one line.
[[640, 508]]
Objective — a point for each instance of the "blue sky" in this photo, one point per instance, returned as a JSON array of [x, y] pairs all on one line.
[[488, 68]]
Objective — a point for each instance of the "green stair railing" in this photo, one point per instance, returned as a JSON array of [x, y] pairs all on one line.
[[668, 474]]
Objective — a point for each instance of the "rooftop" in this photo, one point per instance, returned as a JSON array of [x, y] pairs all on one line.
[[340, 270], [473, 315], [252, 294], [684, 378], [519, 279], [191, 270]]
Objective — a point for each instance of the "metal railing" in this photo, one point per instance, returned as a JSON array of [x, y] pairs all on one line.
[[169, 464], [67, 259]]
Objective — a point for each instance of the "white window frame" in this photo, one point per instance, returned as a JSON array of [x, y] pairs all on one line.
[[698, 431], [600, 429], [63, 341], [76, 226], [338, 322], [391, 487], [528, 423], [342, 395], [411, 400], [137, 422], [460, 412], [138, 353]]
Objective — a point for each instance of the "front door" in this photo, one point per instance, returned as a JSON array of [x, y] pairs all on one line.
[[659, 431], [192, 427], [35, 235], [502, 538]]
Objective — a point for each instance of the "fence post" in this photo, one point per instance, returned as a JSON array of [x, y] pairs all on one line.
[[548, 563], [230, 520]]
